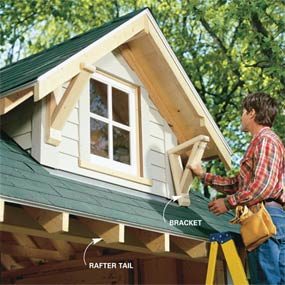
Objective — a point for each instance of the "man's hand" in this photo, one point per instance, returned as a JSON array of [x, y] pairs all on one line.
[[218, 207], [197, 170]]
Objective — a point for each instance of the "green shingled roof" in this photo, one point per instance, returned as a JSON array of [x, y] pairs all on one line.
[[29, 69], [23, 180]]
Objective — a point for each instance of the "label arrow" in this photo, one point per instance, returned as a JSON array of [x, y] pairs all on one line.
[[174, 198], [94, 241]]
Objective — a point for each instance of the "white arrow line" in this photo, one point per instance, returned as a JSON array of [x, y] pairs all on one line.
[[174, 198], [94, 241], [165, 209]]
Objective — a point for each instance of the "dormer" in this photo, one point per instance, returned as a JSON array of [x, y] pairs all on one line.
[[109, 105]]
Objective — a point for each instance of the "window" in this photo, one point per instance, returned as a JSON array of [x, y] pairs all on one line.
[[112, 124]]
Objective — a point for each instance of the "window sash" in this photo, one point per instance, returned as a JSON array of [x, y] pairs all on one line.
[[110, 162]]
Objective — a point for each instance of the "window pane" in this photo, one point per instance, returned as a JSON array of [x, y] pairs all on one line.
[[120, 106], [121, 143], [98, 98], [99, 138]]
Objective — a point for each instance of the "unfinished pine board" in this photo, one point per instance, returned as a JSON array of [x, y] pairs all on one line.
[[183, 177], [10, 102], [9, 262], [52, 222], [195, 249], [109, 232], [57, 76]]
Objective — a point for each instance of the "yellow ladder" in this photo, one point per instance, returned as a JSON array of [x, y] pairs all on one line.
[[232, 258]]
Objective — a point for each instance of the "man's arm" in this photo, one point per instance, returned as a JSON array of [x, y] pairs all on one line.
[[267, 160], [226, 185]]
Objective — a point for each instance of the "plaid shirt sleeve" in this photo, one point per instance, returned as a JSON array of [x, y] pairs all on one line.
[[226, 185], [266, 160]]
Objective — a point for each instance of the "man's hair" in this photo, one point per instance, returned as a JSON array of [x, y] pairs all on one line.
[[265, 107]]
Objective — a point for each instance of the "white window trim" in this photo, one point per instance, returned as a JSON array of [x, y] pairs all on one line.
[[85, 157]]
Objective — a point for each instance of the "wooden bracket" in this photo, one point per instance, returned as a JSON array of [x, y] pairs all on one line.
[[183, 178], [57, 114]]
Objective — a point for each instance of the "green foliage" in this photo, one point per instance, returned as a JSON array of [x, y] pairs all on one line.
[[228, 48]]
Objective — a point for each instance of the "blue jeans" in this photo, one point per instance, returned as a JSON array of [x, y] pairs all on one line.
[[267, 262]]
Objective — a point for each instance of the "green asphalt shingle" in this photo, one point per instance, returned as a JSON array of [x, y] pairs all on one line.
[[29, 69], [24, 179]]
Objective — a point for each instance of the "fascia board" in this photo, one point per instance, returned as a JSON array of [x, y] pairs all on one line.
[[84, 215], [87, 49]]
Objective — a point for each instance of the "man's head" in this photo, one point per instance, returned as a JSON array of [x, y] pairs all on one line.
[[258, 109]]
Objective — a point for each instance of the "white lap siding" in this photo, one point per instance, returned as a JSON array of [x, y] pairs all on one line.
[[157, 138]]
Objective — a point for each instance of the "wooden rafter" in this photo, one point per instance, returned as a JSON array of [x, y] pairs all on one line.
[[52, 222], [193, 248], [64, 248], [58, 114], [9, 262], [10, 102], [109, 232], [18, 221], [183, 178], [155, 242], [16, 250], [25, 241], [49, 268]]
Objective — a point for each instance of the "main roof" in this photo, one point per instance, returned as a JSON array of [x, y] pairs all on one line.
[[29, 69], [25, 181]]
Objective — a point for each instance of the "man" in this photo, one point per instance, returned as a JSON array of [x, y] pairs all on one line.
[[260, 179]]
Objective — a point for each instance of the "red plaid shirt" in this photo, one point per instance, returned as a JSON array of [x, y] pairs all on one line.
[[261, 172]]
